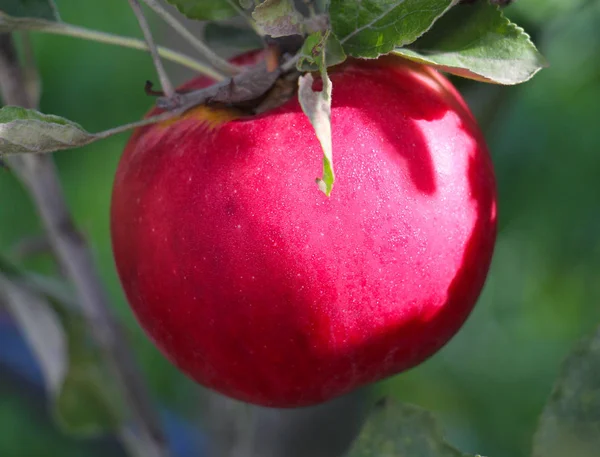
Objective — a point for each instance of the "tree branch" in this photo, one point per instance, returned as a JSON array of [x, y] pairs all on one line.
[[65, 29], [221, 65], [39, 176], [165, 82]]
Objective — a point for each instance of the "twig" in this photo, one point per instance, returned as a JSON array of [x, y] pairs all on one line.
[[290, 63], [221, 65], [251, 84], [30, 70], [39, 176], [143, 122], [165, 82], [254, 82], [29, 247], [65, 29]]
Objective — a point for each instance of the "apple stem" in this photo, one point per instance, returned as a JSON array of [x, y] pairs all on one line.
[[220, 64], [39, 176], [165, 82]]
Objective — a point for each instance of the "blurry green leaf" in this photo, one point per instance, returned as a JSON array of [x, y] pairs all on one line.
[[570, 423], [8, 268], [401, 430], [39, 9], [317, 106], [89, 402], [333, 50], [26, 130], [369, 28], [231, 36], [476, 41], [278, 18], [51, 288], [321, 5], [41, 328], [84, 406], [544, 11], [205, 10]]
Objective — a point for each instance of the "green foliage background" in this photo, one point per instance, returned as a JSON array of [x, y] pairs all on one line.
[[490, 383]]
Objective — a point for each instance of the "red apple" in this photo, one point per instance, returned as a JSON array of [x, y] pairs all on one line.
[[257, 285]]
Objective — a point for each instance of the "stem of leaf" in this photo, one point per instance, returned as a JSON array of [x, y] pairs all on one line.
[[291, 63], [221, 65], [61, 28], [133, 125], [165, 82], [30, 71]]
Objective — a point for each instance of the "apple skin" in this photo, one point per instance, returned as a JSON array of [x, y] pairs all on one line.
[[257, 285]]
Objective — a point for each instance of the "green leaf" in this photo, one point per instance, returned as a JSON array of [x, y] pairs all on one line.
[[333, 50], [317, 106], [89, 402], [570, 423], [40, 325], [231, 36], [401, 430], [85, 407], [8, 268], [53, 289], [477, 42], [205, 10], [38, 9], [278, 18], [370, 28], [25, 130]]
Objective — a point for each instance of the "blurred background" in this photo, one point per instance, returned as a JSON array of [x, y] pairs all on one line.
[[489, 385]]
